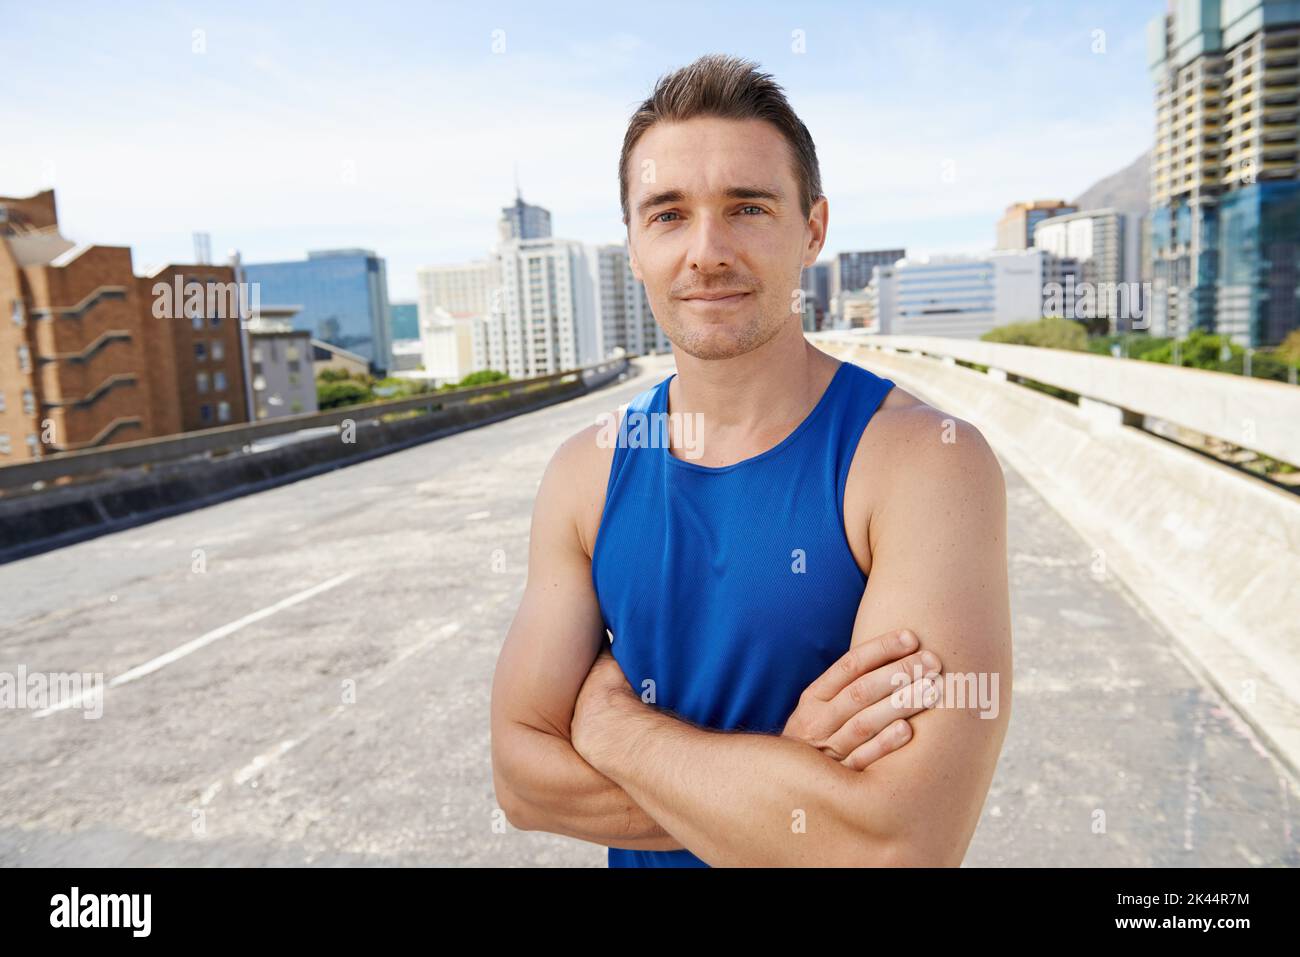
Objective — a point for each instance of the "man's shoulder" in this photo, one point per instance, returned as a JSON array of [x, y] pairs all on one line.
[[917, 435], [929, 457], [581, 464]]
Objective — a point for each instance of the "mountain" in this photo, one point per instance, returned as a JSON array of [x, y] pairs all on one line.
[[1126, 191]]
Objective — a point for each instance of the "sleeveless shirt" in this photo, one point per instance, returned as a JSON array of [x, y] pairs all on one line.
[[727, 591]]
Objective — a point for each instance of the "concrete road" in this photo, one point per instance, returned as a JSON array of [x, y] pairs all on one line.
[[302, 676]]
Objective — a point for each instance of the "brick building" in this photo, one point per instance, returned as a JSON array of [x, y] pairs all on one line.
[[87, 357]]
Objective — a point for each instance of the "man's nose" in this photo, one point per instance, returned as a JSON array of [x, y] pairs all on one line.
[[711, 243]]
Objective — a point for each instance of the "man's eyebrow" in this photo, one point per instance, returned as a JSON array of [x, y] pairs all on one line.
[[735, 192]]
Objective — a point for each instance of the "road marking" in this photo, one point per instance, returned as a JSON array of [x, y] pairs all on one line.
[[267, 758], [149, 667], [262, 760]]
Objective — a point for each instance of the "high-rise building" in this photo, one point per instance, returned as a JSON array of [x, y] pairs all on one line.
[[852, 271], [459, 288], [92, 355], [1104, 246], [1016, 227], [816, 284], [522, 221], [453, 345], [543, 315], [403, 320], [1225, 182], [454, 303], [624, 317], [959, 296], [343, 295]]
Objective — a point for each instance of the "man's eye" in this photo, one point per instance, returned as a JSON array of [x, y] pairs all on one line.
[[751, 206], [665, 213]]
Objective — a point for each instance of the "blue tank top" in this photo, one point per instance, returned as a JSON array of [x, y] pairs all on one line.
[[728, 590]]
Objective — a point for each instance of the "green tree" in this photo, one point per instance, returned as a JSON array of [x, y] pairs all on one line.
[[1047, 333], [333, 395], [482, 377], [1200, 350], [1289, 350]]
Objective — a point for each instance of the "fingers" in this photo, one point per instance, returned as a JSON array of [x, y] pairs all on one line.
[[876, 686], [861, 659], [869, 723], [886, 742]]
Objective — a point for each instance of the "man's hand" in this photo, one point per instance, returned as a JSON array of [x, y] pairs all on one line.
[[857, 711], [604, 688]]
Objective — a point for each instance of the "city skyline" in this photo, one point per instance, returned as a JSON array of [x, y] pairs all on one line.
[[924, 138]]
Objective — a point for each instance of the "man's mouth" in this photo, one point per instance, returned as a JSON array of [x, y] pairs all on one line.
[[717, 300]]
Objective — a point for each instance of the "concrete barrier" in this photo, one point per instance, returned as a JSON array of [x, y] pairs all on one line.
[[1213, 553], [52, 517], [1256, 414]]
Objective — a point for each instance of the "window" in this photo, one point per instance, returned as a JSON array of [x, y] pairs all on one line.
[[4, 443], [257, 353], [218, 350], [200, 351], [198, 321], [223, 411], [291, 353], [215, 321], [24, 359], [205, 413], [201, 381], [295, 366], [29, 402], [218, 381], [18, 312], [2, 401], [33, 447], [259, 383], [294, 378]]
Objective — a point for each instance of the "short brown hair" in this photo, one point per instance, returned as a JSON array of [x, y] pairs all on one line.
[[730, 88]]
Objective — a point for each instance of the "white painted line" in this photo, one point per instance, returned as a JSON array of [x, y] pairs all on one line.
[[149, 667], [262, 760], [267, 758]]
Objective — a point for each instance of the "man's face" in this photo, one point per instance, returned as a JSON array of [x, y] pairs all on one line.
[[713, 208]]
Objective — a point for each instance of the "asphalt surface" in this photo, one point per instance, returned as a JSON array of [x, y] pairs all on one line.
[[308, 669]]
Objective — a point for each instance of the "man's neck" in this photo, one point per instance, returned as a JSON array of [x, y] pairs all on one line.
[[751, 402]]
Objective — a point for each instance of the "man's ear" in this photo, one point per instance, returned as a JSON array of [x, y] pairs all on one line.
[[818, 222]]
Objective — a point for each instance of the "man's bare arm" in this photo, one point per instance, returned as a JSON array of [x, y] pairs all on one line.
[[939, 566], [541, 782]]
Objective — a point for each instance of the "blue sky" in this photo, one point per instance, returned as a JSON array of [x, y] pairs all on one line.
[[395, 126]]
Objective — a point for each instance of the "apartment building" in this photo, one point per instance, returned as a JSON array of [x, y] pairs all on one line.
[[1225, 181], [86, 360]]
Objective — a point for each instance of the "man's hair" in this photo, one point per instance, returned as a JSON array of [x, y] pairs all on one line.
[[730, 88]]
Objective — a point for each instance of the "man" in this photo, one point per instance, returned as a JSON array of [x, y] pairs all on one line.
[[756, 585]]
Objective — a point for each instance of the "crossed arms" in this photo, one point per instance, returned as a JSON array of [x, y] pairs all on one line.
[[575, 753]]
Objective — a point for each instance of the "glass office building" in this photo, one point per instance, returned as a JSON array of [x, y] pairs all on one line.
[[344, 298], [1225, 224]]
